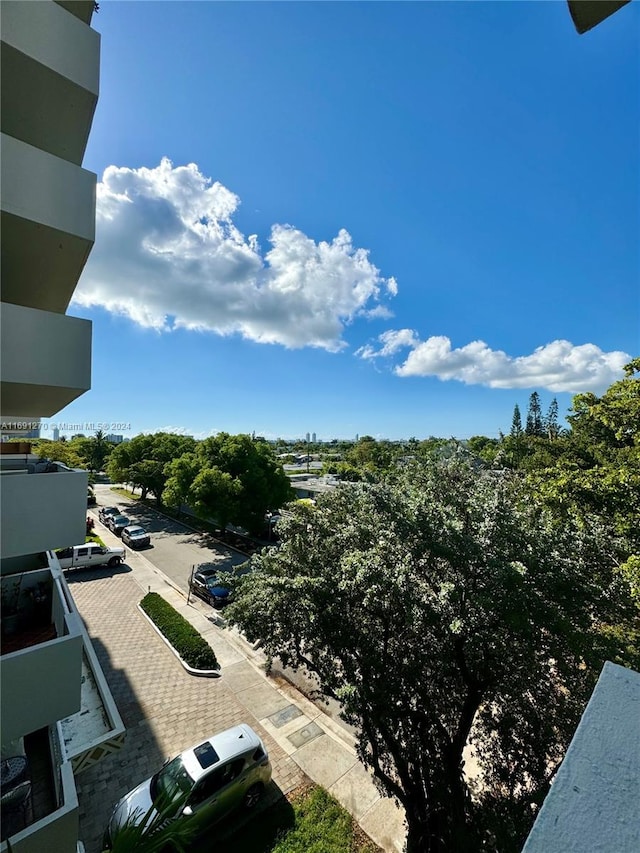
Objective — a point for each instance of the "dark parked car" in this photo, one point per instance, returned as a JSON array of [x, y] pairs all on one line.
[[135, 537], [105, 512], [209, 585], [117, 523]]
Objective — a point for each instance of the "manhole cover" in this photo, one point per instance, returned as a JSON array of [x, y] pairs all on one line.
[[305, 734], [281, 717]]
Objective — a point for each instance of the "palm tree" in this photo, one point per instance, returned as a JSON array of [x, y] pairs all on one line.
[[154, 831]]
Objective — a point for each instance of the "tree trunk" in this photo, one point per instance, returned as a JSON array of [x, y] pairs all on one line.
[[439, 824], [418, 834]]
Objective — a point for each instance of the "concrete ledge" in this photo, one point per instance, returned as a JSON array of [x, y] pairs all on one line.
[[593, 801], [202, 673]]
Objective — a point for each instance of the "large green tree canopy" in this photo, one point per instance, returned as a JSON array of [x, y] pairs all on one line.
[[141, 461], [447, 612], [253, 465]]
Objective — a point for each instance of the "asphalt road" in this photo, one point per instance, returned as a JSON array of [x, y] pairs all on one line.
[[174, 548]]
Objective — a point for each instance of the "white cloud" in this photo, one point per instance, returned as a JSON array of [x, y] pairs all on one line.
[[168, 255], [391, 341], [380, 312], [557, 366]]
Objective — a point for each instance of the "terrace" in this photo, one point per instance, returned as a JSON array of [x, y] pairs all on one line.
[[74, 722]]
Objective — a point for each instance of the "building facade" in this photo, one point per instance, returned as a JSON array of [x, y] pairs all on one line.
[[57, 713]]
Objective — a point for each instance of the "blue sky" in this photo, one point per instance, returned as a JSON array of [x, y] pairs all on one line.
[[395, 219]]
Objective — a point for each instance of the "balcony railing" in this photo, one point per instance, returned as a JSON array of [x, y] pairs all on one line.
[[48, 228], [15, 448], [58, 368], [53, 62], [41, 654], [49, 820], [78, 739], [40, 510]]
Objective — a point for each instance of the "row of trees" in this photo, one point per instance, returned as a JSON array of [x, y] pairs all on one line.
[[463, 608], [233, 478]]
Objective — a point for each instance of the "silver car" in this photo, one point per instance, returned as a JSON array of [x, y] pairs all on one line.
[[117, 523], [105, 513], [203, 784], [135, 537]]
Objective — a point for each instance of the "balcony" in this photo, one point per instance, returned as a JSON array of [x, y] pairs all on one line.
[[48, 225], [96, 729], [47, 652], [41, 654], [50, 819], [17, 450], [45, 363], [52, 61], [43, 511]]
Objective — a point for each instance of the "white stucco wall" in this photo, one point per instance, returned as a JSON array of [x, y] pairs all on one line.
[[45, 363], [41, 512], [51, 36], [594, 803], [42, 188]]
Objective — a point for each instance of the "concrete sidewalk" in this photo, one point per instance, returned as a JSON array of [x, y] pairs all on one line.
[[322, 748]]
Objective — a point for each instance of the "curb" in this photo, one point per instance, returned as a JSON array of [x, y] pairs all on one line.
[[202, 673]]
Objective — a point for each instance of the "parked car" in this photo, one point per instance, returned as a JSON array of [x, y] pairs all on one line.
[[106, 511], [135, 537], [203, 784], [209, 585], [117, 523], [89, 555]]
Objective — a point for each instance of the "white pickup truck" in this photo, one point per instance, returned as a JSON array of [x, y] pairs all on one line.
[[89, 555]]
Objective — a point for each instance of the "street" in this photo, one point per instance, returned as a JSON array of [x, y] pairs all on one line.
[[174, 551], [174, 548]]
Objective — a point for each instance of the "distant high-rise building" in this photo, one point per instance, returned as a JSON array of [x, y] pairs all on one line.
[[33, 433], [313, 438], [357, 437], [56, 434], [307, 438], [116, 439]]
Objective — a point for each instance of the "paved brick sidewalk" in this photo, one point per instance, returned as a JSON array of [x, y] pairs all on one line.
[[163, 708]]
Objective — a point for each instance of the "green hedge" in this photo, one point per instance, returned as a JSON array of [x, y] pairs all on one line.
[[184, 638]]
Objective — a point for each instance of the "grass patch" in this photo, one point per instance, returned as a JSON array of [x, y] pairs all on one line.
[[125, 493], [322, 825], [308, 820], [190, 645]]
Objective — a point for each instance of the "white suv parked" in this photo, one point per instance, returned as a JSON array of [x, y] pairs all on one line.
[[203, 784]]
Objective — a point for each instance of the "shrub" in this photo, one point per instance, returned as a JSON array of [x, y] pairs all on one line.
[[192, 648]]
